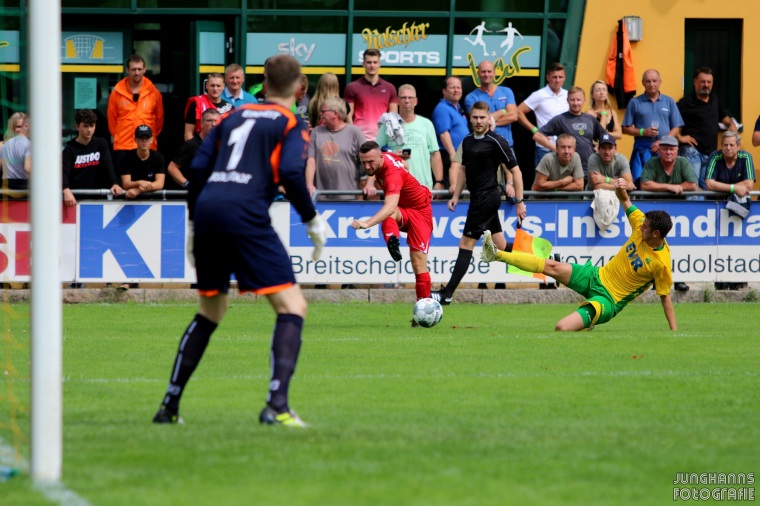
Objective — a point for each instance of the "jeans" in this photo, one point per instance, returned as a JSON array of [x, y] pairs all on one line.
[[540, 152], [698, 163]]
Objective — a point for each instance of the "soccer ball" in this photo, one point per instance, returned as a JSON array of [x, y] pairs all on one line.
[[427, 312]]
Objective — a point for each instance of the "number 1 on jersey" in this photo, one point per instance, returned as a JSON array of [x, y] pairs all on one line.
[[238, 139]]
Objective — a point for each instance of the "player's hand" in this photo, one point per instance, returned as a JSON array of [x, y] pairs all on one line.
[[317, 232], [190, 243], [453, 203], [356, 225]]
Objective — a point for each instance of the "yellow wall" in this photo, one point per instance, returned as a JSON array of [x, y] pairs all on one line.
[[662, 48]]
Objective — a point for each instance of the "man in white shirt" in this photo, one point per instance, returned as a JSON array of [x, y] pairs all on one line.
[[546, 103]]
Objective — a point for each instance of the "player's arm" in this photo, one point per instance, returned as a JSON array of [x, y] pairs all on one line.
[[622, 194], [459, 179], [520, 209], [390, 204], [670, 313]]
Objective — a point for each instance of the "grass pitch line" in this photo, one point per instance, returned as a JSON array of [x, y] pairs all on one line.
[[56, 492]]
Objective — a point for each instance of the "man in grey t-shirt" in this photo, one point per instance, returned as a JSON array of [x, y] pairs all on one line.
[[333, 158], [584, 127], [560, 171]]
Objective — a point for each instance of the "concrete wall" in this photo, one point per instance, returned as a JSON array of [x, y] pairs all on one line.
[[662, 47]]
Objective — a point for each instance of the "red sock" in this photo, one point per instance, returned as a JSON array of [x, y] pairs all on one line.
[[422, 285], [390, 227]]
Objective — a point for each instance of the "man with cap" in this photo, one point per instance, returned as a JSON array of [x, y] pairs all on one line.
[[607, 165], [142, 169], [669, 173]]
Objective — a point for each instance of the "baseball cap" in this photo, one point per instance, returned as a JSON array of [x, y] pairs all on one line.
[[143, 131], [607, 139], [669, 140]]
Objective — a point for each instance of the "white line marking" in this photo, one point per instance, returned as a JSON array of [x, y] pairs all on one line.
[[56, 492]]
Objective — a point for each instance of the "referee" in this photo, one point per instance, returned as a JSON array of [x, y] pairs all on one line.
[[483, 152]]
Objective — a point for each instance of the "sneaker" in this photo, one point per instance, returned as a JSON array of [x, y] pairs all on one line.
[[440, 296], [393, 248], [414, 324], [269, 416], [681, 286], [488, 253], [165, 415]]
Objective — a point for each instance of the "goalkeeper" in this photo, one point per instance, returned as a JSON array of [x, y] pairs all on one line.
[[644, 259], [233, 180]]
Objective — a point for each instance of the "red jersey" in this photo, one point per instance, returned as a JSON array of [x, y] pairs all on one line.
[[396, 180]]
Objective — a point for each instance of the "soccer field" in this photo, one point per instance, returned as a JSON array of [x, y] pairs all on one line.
[[491, 407]]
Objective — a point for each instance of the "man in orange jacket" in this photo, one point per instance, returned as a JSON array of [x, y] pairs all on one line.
[[134, 101]]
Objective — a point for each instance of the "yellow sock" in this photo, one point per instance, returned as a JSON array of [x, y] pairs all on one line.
[[524, 261]]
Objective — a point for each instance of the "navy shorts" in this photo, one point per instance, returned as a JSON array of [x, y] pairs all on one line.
[[259, 262], [484, 214]]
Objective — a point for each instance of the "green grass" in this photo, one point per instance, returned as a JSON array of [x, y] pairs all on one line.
[[490, 407]]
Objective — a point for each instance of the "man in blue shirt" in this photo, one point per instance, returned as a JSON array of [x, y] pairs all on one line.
[[450, 123], [500, 99], [649, 117], [234, 93]]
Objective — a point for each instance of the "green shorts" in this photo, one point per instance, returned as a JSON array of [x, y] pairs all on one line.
[[585, 280]]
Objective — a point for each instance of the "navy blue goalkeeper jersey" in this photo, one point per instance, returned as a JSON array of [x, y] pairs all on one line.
[[235, 174]]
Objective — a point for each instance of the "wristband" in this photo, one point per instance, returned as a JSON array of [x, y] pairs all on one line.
[[641, 132], [732, 188], [535, 129], [608, 180], [505, 111]]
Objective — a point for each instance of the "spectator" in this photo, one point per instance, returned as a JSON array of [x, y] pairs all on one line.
[[302, 99], [669, 173], [546, 103], [370, 96], [15, 124], [233, 93], [420, 147], [731, 171], [179, 167], [756, 133], [134, 101], [212, 99], [450, 123], [649, 117], [701, 113], [500, 99], [327, 87], [561, 170], [599, 106], [607, 165], [584, 127], [142, 169], [333, 157], [16, 158], [87, 161]]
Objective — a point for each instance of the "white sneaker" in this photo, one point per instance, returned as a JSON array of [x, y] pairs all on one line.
[[488, 253]]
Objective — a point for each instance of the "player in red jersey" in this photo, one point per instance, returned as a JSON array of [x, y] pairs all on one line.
[[406, 208]]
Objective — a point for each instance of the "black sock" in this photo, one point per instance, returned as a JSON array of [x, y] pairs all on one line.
[[286, 343], [191, 348], [460, 269]]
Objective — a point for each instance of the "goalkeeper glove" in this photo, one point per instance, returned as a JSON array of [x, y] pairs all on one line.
[[318, 235]]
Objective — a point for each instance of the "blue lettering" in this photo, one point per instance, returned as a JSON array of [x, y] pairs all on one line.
[[172, 241], [95, 240]]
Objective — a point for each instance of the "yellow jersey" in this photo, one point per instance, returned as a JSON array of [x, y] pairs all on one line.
[[636, 265]]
